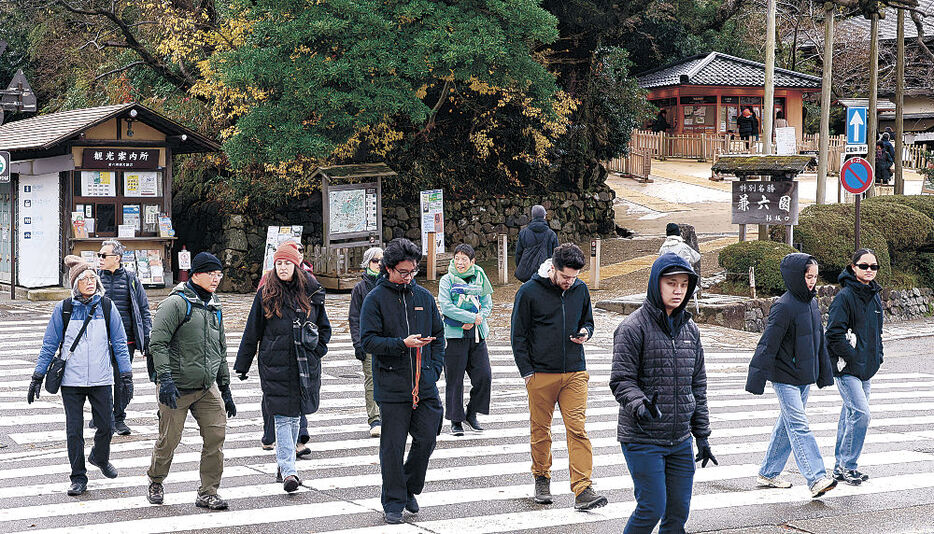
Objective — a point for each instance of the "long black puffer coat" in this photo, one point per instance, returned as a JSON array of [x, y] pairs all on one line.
[[651, 354], [856, 307], [278, 364]]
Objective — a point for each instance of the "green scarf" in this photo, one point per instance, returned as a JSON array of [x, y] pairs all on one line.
[[371, 272], [486, 288]]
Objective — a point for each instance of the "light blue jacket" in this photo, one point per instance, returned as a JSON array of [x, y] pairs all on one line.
[[451, 310], [90, 364]]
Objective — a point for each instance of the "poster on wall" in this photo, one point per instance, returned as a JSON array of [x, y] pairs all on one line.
[[140, 184], [38, 253], [131, 216], [276, 235], [98, 184], [432, 211], [786, 141]]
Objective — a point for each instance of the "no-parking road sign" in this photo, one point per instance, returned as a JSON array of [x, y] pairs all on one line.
[[856, 175]]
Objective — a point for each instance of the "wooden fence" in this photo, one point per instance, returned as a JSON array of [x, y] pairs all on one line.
[[637, 164]]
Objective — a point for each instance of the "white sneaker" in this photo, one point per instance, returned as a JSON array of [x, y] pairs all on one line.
[[375, 428], [822, 486], [775, 482]]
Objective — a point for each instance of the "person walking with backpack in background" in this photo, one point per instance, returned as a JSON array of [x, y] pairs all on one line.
[[792, 355], [371, 259], [659, 379], [675, 243], [289, 370], [535, 244], [401, 327], [854, 340], [189, 351], [88, 326], [551, 320], [127, 293], [465, 296]]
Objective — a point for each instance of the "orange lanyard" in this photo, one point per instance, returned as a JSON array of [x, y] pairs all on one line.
[[418, 376]]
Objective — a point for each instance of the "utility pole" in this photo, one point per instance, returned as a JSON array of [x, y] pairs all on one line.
[[825, 92], [872, 115], [900, 103]]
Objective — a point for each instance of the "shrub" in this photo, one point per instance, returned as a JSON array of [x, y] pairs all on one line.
[[765, 256], [922, 203], [905, 228]]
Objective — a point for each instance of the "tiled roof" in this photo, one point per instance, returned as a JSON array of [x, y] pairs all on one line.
[[881, 103], [717, 68], [45, 131], [856, 28]]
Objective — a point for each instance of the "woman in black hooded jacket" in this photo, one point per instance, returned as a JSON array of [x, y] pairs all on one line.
[[854, 339]]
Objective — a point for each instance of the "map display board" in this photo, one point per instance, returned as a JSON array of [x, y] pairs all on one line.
[[352, 211]]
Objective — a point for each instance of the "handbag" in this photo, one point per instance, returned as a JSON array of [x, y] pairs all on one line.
[[53, 377], [308, 332]]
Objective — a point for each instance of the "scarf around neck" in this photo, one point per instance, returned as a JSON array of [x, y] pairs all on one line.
[[476, 272]]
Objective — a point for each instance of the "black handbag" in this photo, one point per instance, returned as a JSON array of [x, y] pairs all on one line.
[[53, 377], [309, 334]]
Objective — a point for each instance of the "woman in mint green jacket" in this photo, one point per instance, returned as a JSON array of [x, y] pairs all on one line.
[[464, 295]]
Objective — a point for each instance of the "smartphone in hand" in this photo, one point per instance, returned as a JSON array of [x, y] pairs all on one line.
[[579, 335]]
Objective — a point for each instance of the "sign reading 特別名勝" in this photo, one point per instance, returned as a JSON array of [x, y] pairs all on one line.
[[120, 158], [765, 202]]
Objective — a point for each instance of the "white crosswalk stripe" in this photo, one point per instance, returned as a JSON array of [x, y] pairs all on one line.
[[488, 472]]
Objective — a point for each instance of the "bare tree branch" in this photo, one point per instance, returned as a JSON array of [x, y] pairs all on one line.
[[118, 69]]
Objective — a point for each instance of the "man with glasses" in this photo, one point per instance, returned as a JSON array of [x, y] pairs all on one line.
[[401, 327], [551, 320], [127, 293], [189, 352]]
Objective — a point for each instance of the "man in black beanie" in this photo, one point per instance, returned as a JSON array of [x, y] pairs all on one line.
[[189, 352], [675, 243]]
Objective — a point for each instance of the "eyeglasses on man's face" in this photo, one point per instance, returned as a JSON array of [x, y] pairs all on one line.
[[407, 274]]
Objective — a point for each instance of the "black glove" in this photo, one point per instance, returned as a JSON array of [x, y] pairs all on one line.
[[168, 393], [360, 354], [126, 382], [146, 346], [242, 376], [649, 411], [229, 405], [34, 387], [704, 454]]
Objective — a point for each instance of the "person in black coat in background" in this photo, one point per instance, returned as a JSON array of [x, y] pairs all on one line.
[[371, 260], [792, 355], [659, 379], [401, 327], [535, 244], [290, 374], [854, 339]]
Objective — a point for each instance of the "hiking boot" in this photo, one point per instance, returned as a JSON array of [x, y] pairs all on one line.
[[847, 475], [543, 490], [394, 518], [375, 429], [107, 469], [774, 482], [156, 493], [291, 483], [411, 504], [472, 423], [822, 486], [211, 502], [77, 488], [457, 429], [302, 450], [121, 428], [588, 500]]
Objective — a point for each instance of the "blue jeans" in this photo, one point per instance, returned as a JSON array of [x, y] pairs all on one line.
[[662, 479], [792, 434], [286, 437], [854, 420]]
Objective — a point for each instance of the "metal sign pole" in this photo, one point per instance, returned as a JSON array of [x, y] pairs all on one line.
[[857, 220]]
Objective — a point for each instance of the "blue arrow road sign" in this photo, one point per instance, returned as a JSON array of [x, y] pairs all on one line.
[[855, 126]]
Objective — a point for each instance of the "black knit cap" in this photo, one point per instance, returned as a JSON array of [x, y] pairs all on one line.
[[205, 262], [672, 229]]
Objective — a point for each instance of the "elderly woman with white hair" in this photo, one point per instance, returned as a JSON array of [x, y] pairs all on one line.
[[370, 265]]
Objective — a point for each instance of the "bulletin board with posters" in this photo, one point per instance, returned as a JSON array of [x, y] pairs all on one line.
[[432, 215], [699, 114]]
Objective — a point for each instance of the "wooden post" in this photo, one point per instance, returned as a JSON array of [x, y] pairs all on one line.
[[742, 227], [502, 258], [824, 140], [595, 263], [872, 114], [432, 257], [900, 104], [752, 281], [790, 235], [768, 108]]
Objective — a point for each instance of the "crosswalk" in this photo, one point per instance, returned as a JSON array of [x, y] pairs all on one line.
[[477, 483]]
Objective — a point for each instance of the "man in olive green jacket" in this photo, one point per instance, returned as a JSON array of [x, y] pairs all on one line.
[[189, 353]]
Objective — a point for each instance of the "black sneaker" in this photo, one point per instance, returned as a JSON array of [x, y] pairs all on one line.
[[291, 483], [107, 469], [457, 429], [121, 428], [472, 423], [156, 493], [77, 488], [862, 476], [543, 490], [278, 476], [394, 518], [211, 502], [588, 500], [848, 476], [411, 504]]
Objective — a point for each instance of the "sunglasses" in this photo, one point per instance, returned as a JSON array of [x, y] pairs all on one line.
[[103, 256], [867, 266]]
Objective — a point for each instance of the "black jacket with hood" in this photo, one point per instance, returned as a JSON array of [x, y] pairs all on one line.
[[390, 313], [536, 243], [654, 355], [792, 348], [543, 319], [360, 291], [856, 307]]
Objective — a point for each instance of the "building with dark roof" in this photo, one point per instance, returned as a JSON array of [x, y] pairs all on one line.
[[706, 92]]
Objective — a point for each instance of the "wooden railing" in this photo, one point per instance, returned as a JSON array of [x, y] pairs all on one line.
[[637, 164]]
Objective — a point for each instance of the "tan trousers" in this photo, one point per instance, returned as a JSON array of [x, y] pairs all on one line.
[[569, 391], [207, 408]]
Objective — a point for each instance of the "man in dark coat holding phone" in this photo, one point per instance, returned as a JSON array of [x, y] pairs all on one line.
[[401, 327]]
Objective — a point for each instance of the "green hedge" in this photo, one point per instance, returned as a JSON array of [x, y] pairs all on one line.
[[765, 256]]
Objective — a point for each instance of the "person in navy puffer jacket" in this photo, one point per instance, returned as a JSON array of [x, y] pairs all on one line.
[[88, 373]]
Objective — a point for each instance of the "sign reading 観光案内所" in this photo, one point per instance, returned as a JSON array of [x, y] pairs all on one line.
[[120, 158], [765, 202]]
